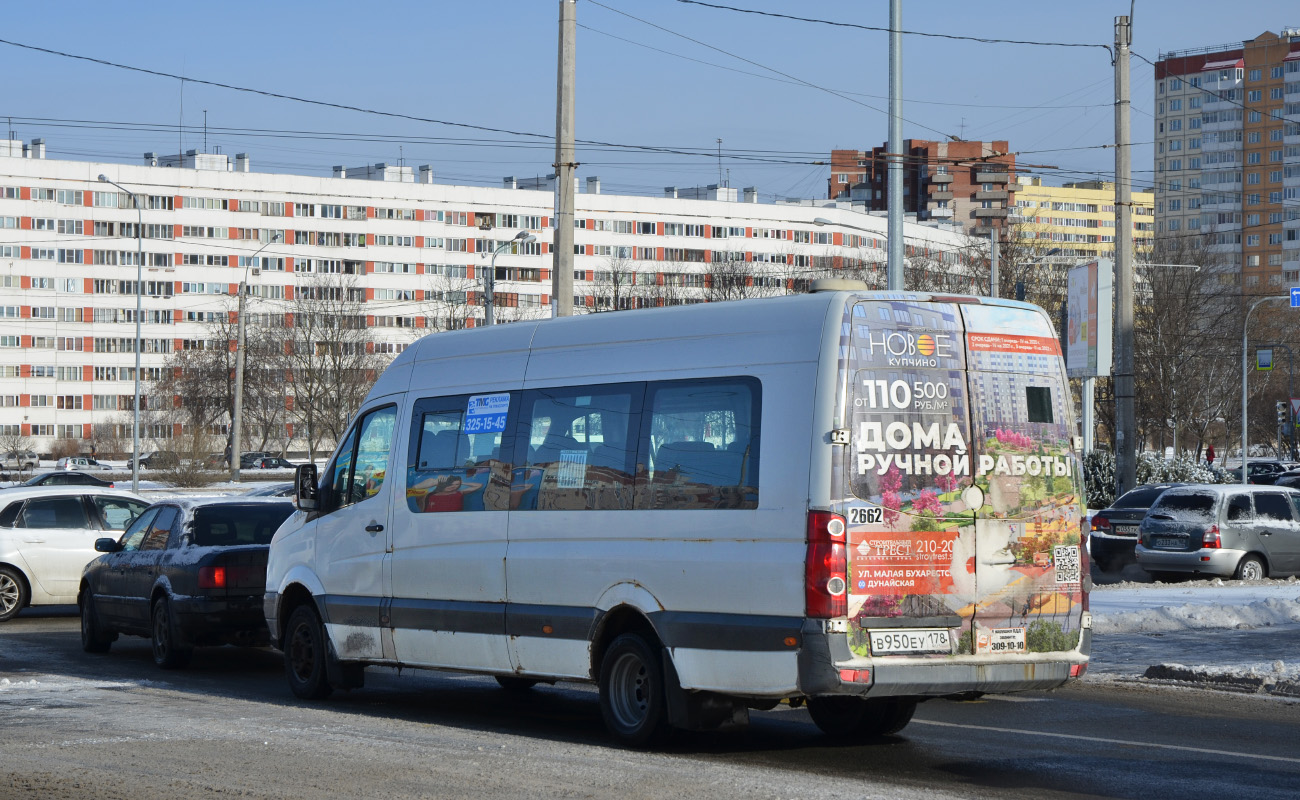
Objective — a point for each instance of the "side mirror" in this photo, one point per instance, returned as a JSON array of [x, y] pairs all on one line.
[[306, 494], [106, 546]]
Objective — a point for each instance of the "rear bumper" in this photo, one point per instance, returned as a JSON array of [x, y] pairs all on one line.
[[1106, 548], [210, 620], [827, 666], [1209, 561]]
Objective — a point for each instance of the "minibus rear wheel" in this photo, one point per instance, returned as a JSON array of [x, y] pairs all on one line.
[[632, 697], [859, 719]]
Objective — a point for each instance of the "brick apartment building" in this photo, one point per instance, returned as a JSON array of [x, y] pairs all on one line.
[[971, 184]]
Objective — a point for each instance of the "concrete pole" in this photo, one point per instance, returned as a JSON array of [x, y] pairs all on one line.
[[895, 187], [565, 164], [237, 419], [1125, 414], [1089, 414], [993, 263]]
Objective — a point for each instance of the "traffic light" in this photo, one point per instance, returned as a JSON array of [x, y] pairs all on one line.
[[1281, 413]]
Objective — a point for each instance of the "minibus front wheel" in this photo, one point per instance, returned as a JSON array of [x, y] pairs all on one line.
[[305, 652]]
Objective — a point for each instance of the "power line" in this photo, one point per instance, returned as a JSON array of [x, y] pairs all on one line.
[[843, 91], [801, 81], [981, 39]]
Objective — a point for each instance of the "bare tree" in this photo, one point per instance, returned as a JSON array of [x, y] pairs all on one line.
[[447, 299], [14, 449], [329, 357]]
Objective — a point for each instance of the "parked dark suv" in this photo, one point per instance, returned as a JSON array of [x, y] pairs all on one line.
[[1244, 532], [1114, 530]]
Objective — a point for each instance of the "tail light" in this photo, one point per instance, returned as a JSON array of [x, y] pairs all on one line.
[[212, 577], [1211, 538], [1100, 524], [826, 586]]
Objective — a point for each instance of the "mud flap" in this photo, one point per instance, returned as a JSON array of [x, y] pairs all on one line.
[[340, 675], [699, 711]]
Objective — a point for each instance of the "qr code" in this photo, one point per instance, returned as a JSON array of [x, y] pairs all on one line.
[[1066, 558]]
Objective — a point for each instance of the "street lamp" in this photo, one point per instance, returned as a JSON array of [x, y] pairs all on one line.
[[822, 222], [489, 284], [1245, 373], [237, 418], [139, 312]]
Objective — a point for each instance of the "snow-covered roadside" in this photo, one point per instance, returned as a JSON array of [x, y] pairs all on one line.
[[1211, 633]]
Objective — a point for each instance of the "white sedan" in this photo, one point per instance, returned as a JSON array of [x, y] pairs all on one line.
[[47, 536]]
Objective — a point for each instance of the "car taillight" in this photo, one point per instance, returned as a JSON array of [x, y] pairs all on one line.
[[1100, 524], [1211, 537], [826, 567], [212, 577]]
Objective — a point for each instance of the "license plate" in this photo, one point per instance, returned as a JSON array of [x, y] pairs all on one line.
[[1000, 640], [1169, 543], [1126, 530], [910, 640]]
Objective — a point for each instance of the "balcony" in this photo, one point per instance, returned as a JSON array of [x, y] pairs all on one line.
[[940, 195], [991, 195], [992, 177], [985, 213], [945, 213], [941, 177]]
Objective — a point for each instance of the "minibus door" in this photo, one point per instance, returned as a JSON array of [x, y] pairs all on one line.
[[352, 537], [1027, 557]]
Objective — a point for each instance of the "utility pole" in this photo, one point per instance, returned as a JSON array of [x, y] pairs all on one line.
[[895, 200], [565, 164], [993, 263], [1125, 414]]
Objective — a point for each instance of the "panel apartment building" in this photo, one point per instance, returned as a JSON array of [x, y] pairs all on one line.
[[416, 252], [1227, 133], [970, 184], [1078, 218]]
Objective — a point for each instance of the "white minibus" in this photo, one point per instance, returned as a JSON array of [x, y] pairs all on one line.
[[847, 499]]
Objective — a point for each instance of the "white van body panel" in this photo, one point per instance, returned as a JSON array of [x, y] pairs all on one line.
[[529, 590]]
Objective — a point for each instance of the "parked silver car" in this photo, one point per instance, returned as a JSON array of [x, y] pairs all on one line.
[[1245, 532]]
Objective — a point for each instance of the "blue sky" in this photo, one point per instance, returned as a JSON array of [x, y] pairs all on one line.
[[493, 65]]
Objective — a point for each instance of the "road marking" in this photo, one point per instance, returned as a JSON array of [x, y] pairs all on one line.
[[1183, 748]]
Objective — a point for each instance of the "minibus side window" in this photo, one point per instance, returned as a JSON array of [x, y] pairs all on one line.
[[577, 448], [455, 461], [700, 444], [359, 469]]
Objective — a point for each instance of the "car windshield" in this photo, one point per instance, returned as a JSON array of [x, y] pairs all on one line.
[[1185, 506], [238, 523], [1141, 497]]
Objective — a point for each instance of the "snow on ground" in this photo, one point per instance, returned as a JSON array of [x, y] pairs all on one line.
[[1164, 607], [1214, 633]]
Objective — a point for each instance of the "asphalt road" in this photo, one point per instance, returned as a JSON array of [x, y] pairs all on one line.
[[114, 726]]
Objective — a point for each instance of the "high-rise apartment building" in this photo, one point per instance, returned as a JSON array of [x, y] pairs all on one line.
[[1227, 133], [971, 184], [1078, 218]]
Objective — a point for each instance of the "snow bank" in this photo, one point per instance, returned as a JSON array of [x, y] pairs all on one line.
[[1271, 677], [1197, 605]]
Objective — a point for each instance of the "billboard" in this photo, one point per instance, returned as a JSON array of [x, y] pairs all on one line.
[[1088, 326]]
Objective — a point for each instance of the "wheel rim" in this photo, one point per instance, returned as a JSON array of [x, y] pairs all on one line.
[[161, 643], [629, 690], [8, 593], [302, 652], [1252, 571]]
